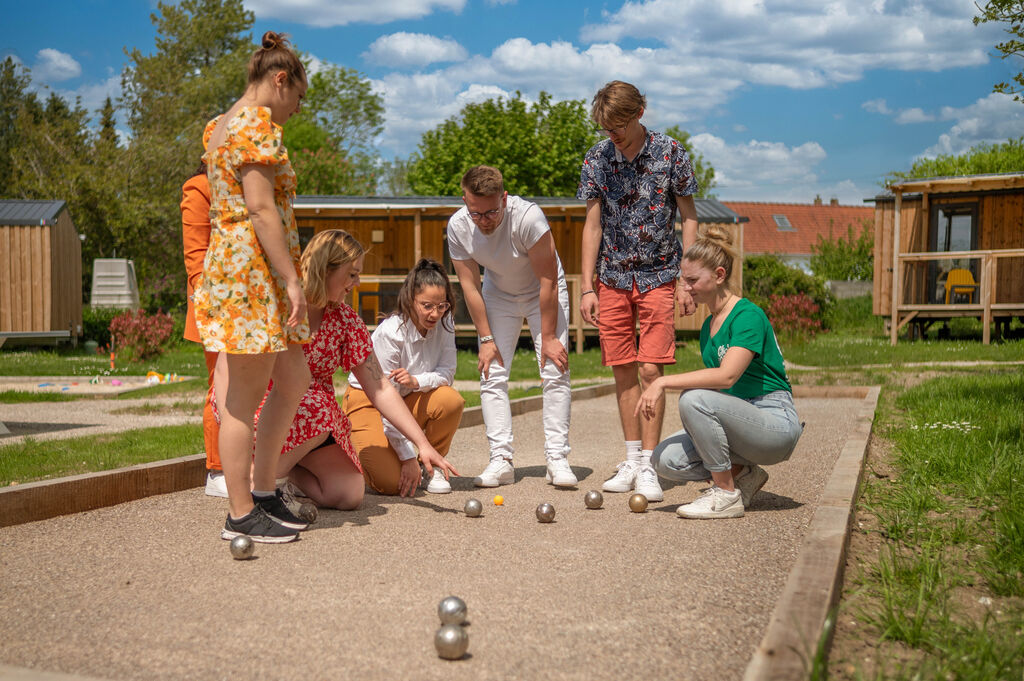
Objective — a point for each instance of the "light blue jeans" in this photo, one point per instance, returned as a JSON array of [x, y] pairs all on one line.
[[720, 430]]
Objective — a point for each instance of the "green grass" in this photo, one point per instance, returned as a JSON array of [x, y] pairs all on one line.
[[39, 460], [18, 396], [185, 359], [951, 520]]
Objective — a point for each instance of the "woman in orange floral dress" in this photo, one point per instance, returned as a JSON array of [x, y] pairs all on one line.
[[249, 305]]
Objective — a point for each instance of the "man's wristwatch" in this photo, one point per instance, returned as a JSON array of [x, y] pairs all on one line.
[[486, 339]]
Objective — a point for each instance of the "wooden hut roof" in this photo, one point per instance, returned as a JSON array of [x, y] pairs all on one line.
[[963, 183], [708, 210], [27, 212]]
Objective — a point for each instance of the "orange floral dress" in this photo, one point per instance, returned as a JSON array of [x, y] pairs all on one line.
[[241, 303]]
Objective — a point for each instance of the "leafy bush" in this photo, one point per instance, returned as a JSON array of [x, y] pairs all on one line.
[[96, 323], [851, 258], [138, 336], [794, 316], [765, 276]]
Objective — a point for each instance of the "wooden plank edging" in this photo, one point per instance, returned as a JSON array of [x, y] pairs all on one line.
[[45, 499], [812, 590]]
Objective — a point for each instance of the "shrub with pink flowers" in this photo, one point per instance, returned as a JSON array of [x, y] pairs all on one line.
[[794, 317], [137, 336]]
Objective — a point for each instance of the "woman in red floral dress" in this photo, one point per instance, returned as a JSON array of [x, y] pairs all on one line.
[[318, 456]]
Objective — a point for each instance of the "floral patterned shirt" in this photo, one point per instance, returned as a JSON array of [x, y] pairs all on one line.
[[638, 210]]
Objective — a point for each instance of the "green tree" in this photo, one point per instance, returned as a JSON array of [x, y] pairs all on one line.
[[1005, 157], [196, 72], [1009, 12], [538, 148], [701, 168], [849, 258], [14, 79], [340, 117]]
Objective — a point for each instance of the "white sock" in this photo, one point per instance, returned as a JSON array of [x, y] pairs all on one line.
[[645, 456], [633, 450]]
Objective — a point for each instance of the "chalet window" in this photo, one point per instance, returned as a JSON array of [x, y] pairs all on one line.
[[953, 227], [783, 223]]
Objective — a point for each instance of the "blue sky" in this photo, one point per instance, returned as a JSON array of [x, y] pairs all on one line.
[[787, 99]]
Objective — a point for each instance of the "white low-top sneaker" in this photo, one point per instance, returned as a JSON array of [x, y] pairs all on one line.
[[714, 503], [437, 484], [559, 473], [498, 472], [749, 481], [647, 483], [624, 478], [216, 485]]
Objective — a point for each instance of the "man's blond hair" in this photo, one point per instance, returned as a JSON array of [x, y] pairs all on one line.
[[616, 104], [483, 181]]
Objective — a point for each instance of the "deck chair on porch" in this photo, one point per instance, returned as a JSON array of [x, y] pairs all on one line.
[[960, 282]]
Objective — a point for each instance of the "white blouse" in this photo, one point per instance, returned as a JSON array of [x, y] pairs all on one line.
[[429, 359]]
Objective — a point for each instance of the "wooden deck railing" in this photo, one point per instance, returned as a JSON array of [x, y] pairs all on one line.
[[904, 312], [377, 293]]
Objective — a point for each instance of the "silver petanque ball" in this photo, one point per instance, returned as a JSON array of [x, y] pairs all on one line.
[[473, 508], [451, 641], [545, 513], [594, 499], [452, 610], [308, 513], [242, 547]]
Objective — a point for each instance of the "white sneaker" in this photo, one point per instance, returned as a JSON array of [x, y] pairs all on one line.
[[559, 474], [437, 484], [749, 481], [647, 483], [624, 478], [498, 472], [216, 485], [715, 503]]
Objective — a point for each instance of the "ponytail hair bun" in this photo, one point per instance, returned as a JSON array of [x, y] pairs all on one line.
[[426, 272], [713, 249], [275, 54]]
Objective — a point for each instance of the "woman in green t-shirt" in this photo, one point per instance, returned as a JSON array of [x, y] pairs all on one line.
[[738, 413]]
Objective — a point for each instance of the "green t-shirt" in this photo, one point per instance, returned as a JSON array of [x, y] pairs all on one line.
[[747, 326]]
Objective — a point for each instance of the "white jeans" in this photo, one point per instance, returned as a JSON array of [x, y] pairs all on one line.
[[505, 316]]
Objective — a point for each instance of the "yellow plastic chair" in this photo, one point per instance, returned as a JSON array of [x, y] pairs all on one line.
[[960, 282]]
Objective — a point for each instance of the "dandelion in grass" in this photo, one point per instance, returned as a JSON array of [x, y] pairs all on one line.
[[959, 426]]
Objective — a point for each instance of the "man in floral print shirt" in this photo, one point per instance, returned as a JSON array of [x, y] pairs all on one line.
[[634, 182]]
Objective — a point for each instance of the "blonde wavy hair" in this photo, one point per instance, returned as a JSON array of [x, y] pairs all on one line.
[[713, 249], [326, 251]]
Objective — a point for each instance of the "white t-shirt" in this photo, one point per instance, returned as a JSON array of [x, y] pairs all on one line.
[[429, 359], [504, 252]]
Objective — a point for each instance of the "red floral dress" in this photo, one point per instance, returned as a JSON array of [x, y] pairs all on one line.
[[341, 342]]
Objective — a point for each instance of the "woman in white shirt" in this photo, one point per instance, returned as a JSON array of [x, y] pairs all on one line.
[[416, 350]]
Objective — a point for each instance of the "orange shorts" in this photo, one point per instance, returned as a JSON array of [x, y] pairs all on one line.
[[619, 312]]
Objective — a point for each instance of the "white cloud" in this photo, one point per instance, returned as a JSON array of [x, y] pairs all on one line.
[[914, 115], [765, 171], [326, 13], [413, 50], [492, 3], [876, 106], [53, 66], [804, 43], [991, 119]]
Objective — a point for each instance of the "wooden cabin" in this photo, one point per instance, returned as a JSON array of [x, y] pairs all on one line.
[[397, 231], [40, 271], [959, 251]]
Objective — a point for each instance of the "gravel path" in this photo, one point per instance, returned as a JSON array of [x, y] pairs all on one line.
[[147, 590]]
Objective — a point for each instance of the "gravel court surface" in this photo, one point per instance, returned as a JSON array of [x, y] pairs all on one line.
[[147, 590]]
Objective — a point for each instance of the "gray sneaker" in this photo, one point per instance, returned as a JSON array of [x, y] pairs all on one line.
[[749, 481]]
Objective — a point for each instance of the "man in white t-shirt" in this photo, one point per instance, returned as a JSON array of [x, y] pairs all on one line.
[[523, 279]]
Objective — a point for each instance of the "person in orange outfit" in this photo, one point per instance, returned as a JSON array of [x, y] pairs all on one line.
[[195, 232]]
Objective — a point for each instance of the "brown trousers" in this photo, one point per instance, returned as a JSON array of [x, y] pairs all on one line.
[[438, 413]]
